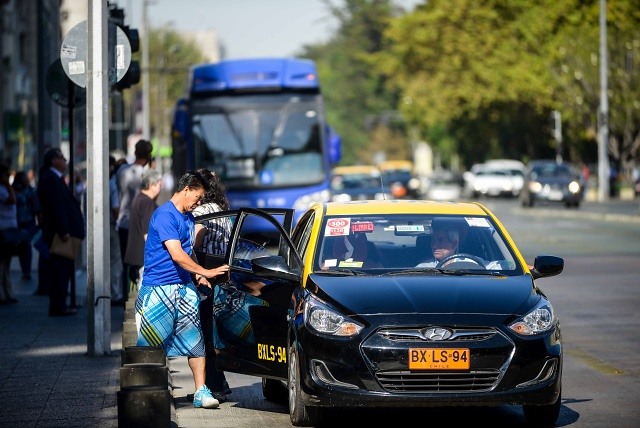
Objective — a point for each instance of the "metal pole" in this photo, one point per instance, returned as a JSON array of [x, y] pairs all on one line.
[[98, 269], [603, 113], [70, 105], [146, 127]]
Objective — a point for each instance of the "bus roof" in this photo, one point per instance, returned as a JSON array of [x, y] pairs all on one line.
[[256, 73]]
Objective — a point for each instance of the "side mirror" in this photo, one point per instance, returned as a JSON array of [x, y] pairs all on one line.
[[545, 266], [274, 267]]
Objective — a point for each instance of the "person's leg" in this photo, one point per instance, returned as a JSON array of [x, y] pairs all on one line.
[[115, 265], [24, 257], [123, 236], [197, 366], [6, 292], [60, 270]]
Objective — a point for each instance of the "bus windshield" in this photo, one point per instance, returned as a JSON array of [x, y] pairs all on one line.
[[260, 141]]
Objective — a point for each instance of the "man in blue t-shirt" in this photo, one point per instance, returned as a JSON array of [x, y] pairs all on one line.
[[167, 307]]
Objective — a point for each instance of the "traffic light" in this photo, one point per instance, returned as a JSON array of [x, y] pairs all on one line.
[[132, 75]]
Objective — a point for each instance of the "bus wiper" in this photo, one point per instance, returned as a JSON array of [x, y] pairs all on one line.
[[282, 120]]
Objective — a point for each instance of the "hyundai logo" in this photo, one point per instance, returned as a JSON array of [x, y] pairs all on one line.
[[437, 333]]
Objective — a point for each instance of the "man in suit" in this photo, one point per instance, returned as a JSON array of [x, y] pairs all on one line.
[[62, 215]]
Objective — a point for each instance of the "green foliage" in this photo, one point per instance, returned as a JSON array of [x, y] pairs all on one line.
[[479, 78], [171, 55]]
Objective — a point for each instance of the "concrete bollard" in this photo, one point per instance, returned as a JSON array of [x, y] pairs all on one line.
[[143, 354], [144, 374], [144, 406], [129, 334]]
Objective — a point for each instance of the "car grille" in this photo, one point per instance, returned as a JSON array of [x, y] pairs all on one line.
[[406, 381], [491, 348]]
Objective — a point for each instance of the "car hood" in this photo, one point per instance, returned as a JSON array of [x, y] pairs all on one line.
[[427, 293]]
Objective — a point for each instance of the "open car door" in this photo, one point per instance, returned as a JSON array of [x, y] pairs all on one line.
[[250, 306]]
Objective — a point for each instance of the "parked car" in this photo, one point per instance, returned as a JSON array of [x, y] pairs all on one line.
[[549, 181], [358, 183], [339, 313]]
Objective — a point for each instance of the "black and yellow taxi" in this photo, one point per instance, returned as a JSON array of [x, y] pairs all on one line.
[[349, 308]]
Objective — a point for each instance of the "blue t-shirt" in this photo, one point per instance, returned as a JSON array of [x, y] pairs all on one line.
[[167, 223]]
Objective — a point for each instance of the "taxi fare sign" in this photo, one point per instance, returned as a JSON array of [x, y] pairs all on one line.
[[439, 359], [337, 227]]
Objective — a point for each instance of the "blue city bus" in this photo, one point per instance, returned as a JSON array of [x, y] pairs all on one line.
[[260, 124]]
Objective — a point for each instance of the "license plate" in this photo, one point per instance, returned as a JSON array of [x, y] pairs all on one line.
[[555, 195], [439, 359]]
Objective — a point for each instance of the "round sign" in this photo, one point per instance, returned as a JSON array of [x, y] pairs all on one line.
[[74, 54], [61, 89]]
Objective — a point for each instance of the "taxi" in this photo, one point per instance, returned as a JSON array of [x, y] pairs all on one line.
[[343, 311]]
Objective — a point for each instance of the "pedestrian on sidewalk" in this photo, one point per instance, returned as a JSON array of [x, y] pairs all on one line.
[[8, 220], [167, 307], [128, 178], [142, 208], [212, 237], [61, 215], [115, 257], [28, 212]]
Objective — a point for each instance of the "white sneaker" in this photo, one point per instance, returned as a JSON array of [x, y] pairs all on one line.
[[203, 398]]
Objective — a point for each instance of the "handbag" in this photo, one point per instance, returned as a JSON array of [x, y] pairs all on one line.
[[68, 249], [14, 240]]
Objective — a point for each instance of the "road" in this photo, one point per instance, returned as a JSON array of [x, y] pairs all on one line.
[[597, 299]]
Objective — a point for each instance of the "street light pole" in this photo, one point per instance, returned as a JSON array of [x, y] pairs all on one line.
[[146, 127], [603, 113]]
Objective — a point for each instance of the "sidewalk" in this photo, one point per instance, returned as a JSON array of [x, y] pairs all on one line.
[[46, 378]]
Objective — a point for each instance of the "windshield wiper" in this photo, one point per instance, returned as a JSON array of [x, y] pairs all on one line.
[[435, 271], [412, 271], [343, 272]]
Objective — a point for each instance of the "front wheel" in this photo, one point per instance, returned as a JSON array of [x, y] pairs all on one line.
[[545, 415], [300, 415]]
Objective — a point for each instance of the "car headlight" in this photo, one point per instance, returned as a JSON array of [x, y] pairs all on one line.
[[325, 320], [574, 187], [535, 186], [341, 197], [304, 202], [539, 320]]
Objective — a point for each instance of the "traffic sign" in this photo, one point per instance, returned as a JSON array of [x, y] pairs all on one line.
[[74, 54]]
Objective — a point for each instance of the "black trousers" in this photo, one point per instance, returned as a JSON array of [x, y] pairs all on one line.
[[123, 236], [60, 269], [215, 378]]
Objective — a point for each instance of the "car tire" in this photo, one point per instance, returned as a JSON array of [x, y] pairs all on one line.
[[274, 391], [300, 414], [545, 415]]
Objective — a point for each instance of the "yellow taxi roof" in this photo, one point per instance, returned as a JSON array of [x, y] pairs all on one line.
[[396, 164], [355, 169], [404, 206]]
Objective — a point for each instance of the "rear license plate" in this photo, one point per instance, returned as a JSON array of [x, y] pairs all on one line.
[[439, 359]]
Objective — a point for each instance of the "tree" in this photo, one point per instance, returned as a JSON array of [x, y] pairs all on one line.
[[354, 91], [171, 56]]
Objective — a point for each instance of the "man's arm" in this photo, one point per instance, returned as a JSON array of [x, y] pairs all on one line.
[[185, 261]]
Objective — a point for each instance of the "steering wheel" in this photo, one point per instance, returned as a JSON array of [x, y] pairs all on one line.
[[467, 258]]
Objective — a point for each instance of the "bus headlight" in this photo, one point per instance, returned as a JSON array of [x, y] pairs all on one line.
[[305, 201]]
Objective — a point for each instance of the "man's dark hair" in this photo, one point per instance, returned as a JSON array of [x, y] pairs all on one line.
[[143, 149], [49, 156], [193, 180]]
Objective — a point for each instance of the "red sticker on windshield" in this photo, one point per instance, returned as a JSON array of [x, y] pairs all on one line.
[[363, 226]]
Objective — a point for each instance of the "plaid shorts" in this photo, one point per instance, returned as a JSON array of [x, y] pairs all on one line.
[[169, 316]]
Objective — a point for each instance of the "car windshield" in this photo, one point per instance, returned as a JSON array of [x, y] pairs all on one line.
[[397, 242]]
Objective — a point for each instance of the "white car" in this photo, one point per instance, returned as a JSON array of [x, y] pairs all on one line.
[[491, 181]]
